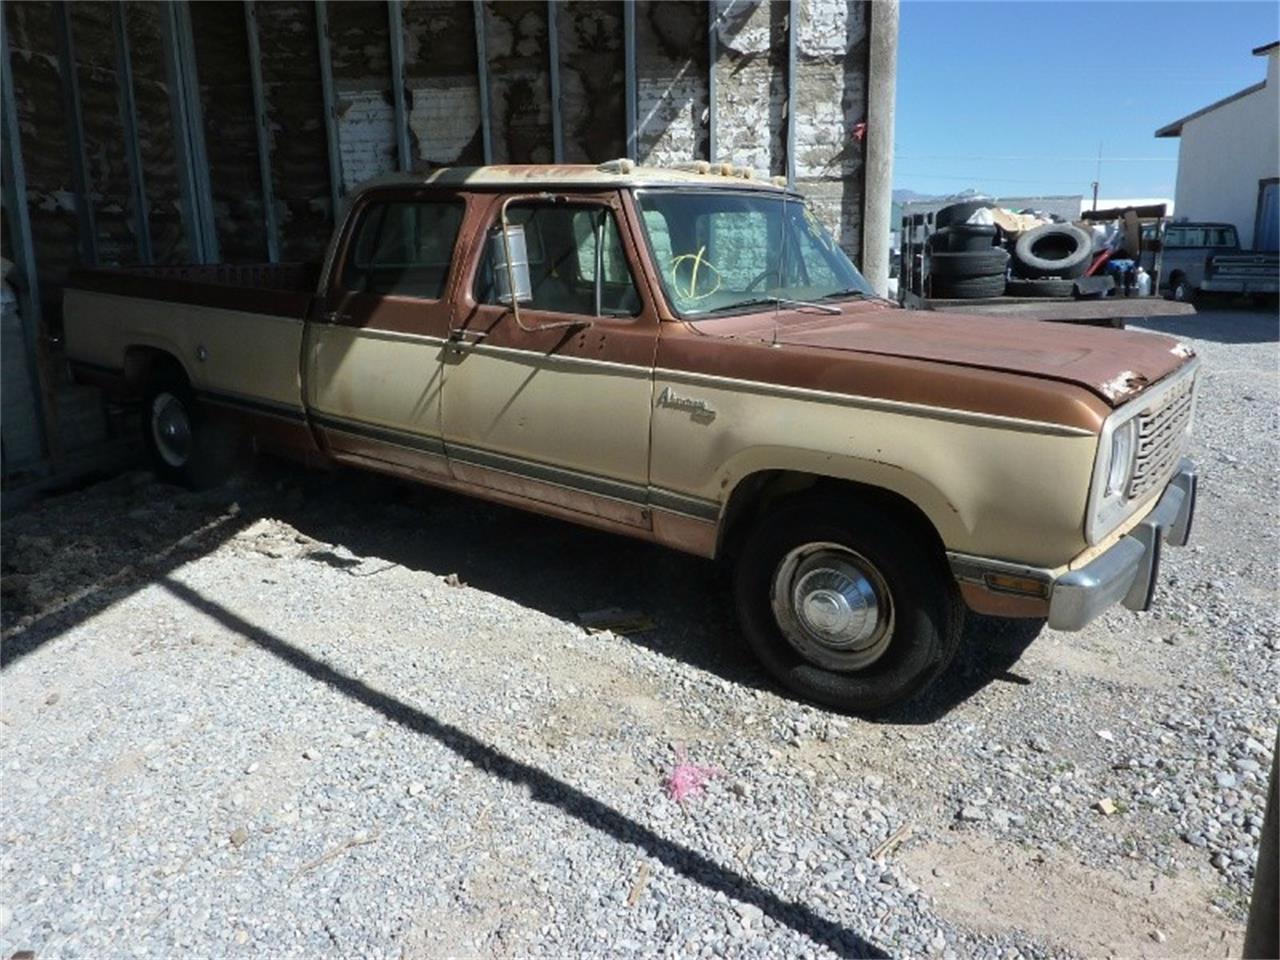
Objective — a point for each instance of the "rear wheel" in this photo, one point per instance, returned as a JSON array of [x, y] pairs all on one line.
[[1181, 290], [850, 607], [186, 446]]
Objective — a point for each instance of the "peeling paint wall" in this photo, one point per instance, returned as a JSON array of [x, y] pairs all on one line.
[[751, 80], [295, 112], [671, 80], [831, 99], [442, 107], [361, 51], [443, 98], [226, 99], [442, 102], [93, 42], [592, 81], [46, 148], [156, 132], [519, 81]]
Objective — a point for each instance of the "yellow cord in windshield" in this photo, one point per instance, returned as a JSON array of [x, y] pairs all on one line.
[[698, 261]]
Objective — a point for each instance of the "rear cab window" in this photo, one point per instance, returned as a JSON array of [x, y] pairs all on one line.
[[1195, 236], [403, 248]]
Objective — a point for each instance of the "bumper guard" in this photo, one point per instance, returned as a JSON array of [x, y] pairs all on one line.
[[1127, 572]]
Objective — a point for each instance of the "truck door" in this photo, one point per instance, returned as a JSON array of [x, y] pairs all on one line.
[[372, 367], [555, 407]]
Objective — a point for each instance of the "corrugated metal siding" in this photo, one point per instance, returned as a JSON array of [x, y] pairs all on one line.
[[226, 98], [442, 110]]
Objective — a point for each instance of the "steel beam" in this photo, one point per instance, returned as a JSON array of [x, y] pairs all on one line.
[[395, 31], [261, 124], [86, 228], [129, 127], [793, 14], [713, 55], [553, 55], [629, 68], [330, 107], [482, 71], [18, 219], [188, 125]]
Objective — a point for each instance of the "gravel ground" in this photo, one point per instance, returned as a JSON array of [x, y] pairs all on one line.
[[326, 713]]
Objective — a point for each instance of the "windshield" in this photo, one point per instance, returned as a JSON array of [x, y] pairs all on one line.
[[719, 250]]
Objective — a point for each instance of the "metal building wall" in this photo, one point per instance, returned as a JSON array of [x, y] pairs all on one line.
[[189, 131]]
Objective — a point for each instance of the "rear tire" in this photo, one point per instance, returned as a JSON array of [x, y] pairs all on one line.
[[1053, 250], [186, 446], [967, 288], [960, 212], [1182, 291], [851, 607], [1045, 287], [971, 237], [978, 263]]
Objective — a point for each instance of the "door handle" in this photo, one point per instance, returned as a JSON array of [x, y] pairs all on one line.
[[336, 316]]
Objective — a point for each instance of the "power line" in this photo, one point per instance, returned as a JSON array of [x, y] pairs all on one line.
[[1025, 159], [969, 179]]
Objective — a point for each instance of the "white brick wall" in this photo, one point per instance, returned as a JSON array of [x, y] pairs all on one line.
[[366, 133], [443, 120]]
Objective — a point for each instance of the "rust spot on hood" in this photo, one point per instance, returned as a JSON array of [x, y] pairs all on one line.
[[1123, 385]]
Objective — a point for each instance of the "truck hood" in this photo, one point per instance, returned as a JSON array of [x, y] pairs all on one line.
[[1114, 364]]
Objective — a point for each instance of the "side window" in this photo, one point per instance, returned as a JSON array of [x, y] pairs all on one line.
[[564, 244], [403, 248], [1175, 237]]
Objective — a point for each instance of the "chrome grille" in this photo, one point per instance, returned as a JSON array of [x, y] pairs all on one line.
[[1162, 436]]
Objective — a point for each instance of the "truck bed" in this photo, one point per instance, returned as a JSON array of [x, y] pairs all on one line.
[[235, 329]]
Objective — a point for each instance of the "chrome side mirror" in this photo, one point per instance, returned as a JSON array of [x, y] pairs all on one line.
[[510, 257]]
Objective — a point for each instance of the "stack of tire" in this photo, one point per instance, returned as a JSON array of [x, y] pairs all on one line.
[[965, 262], [1048, 259]]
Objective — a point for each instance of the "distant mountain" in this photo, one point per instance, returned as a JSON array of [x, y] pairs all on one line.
[[910, 196], [902, 195]]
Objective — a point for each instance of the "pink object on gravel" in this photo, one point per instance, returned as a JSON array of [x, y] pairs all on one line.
[[688, 779]]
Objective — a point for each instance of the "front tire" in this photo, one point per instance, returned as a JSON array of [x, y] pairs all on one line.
[[852, 607]]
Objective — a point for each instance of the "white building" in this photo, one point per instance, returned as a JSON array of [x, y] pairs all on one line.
[[1229, 159]]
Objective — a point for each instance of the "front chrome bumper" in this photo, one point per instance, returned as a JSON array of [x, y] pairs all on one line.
[[1127, 572]]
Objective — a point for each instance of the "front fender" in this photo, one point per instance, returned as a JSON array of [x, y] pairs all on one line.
[[990, 488]]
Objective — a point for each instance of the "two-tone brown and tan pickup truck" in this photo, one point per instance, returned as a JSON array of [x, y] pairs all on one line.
[[684, 356]]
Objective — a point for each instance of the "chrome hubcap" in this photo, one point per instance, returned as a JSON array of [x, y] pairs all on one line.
[[833, 606], [171, 429]]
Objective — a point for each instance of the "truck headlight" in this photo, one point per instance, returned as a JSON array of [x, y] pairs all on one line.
[[1123, 441]]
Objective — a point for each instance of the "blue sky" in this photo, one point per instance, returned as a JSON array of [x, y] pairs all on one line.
[[1013, 98]]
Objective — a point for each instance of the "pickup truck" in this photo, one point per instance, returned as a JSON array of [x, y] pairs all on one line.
[[685, 356], [1206, 258]]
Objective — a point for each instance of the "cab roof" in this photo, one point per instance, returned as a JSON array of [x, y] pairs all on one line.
[[615, 173]]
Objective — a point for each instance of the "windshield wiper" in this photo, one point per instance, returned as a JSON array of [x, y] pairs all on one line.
[[779, 301], [851, 292]]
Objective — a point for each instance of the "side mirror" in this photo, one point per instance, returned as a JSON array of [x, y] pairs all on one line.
[[510, 257]]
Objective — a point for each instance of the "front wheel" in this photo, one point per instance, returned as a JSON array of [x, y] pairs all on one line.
[[850, 607]]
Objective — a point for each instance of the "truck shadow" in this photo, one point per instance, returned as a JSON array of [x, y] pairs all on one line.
[[563, 570], [559, 569]]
